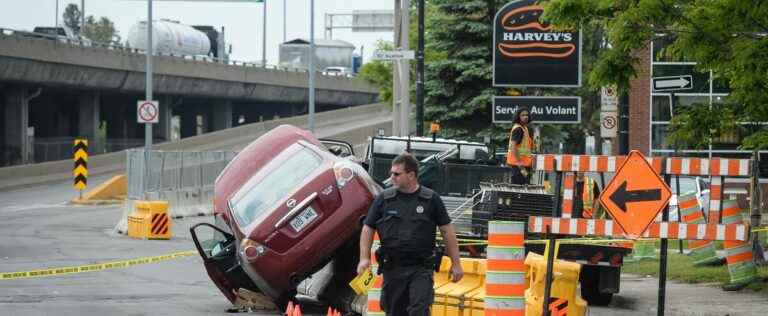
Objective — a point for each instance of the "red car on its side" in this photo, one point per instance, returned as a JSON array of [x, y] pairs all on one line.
[[282, 206]]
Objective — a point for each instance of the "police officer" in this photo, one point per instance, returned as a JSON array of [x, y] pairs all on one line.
[[405, 217]]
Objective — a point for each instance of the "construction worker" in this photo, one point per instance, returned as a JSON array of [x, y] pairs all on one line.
[[521, 145], [589, 192], [405, 217]]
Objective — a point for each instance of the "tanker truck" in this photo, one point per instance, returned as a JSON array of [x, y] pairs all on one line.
[[172, 37]]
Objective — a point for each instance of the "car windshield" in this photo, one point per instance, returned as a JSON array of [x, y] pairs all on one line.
[[283, 175], [687, 185]]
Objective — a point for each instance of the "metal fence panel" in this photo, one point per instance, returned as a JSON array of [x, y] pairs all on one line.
[[173, 171]]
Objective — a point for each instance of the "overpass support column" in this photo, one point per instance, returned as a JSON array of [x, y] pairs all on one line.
[[163, 127], [222, 115], [89, 120], [16, 145]]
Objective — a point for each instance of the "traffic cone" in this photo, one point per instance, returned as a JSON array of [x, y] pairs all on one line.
[[297, 310], [330, 312], [289, 309], [337, 313]]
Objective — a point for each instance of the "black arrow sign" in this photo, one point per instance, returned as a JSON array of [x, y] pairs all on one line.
[[621, 196]]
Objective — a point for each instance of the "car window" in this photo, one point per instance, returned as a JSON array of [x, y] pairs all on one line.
[[687, 185], [284, 174]]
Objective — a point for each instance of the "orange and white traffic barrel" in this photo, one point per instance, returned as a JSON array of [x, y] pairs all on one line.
[[702, 251], [505, 275], [738, 254], [374, 293]]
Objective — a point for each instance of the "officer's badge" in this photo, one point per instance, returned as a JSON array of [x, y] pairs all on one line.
[[419, 209]]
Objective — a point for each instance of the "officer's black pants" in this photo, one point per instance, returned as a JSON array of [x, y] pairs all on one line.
[[407, 291]]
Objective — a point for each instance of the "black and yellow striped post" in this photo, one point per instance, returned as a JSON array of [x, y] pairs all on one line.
[[80, 172]]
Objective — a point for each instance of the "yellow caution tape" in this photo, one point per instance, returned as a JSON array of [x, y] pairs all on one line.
[[579, 241], [762, 229], [92, 267]]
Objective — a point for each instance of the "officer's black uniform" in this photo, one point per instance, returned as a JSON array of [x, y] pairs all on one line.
[[406, 223]]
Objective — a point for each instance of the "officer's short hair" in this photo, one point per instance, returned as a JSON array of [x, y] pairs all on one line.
[[408, 161]]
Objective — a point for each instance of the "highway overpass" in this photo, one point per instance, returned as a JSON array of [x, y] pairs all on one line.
[[52, 91]]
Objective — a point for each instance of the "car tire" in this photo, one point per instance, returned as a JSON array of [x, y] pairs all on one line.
[[592, 295]]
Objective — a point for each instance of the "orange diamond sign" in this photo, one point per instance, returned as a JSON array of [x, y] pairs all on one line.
[[635, 195]]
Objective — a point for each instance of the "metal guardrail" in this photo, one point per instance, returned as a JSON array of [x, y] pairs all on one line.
[[84, 42], [173, 171]]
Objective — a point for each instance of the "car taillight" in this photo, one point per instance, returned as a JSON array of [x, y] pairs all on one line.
[[251, 249], [343, 172]]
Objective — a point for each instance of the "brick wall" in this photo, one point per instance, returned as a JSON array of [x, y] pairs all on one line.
[[640, 103]]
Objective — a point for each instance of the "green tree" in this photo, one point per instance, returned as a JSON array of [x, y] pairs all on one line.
[[727, 37], [459, 89], [102, 31], [379, 73], [72, 15]]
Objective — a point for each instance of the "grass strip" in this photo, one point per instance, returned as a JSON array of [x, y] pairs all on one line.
[[681, 268]]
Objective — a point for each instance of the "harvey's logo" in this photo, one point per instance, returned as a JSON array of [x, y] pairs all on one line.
[[527, 52], [523, 36]]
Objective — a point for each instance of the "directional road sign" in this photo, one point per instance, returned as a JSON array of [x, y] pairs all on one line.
[[394, 54], [674, 83], [635, 195]]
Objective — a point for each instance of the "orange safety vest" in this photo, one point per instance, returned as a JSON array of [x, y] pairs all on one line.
[[587, 198], [523, 148]]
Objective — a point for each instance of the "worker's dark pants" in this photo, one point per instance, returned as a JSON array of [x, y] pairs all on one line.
[[407, 291], [518, 175]]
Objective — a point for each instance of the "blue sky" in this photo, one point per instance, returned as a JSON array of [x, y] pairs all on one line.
[[243, 21]]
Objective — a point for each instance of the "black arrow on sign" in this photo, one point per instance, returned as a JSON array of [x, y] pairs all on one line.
[[621, 196]]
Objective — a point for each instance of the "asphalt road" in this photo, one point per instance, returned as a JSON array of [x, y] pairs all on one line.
[[39, 230]]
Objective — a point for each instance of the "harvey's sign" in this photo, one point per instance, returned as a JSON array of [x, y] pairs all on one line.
[[529, 53]]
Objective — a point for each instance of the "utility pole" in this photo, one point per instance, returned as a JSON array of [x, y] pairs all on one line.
[[82, 17], [284, 21], [396, 73], [420, 74], [264, 35], [148, 97], [405, 72], [311, 68]]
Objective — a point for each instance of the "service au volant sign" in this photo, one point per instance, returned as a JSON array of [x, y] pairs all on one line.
[[529, 53], [562, 110]]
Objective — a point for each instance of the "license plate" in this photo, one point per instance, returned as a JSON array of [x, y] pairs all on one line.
[[302, 220]]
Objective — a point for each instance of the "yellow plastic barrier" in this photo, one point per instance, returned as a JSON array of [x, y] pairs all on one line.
[[150, 220], [463, 298], [565, 300]]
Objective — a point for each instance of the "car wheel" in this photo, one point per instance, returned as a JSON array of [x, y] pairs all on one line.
[[593, 296]]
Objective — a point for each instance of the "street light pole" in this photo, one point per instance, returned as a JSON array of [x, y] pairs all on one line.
[[148, 96], [311, 67], [82, 17], [284, 21], [264, 35], [56, 15]]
